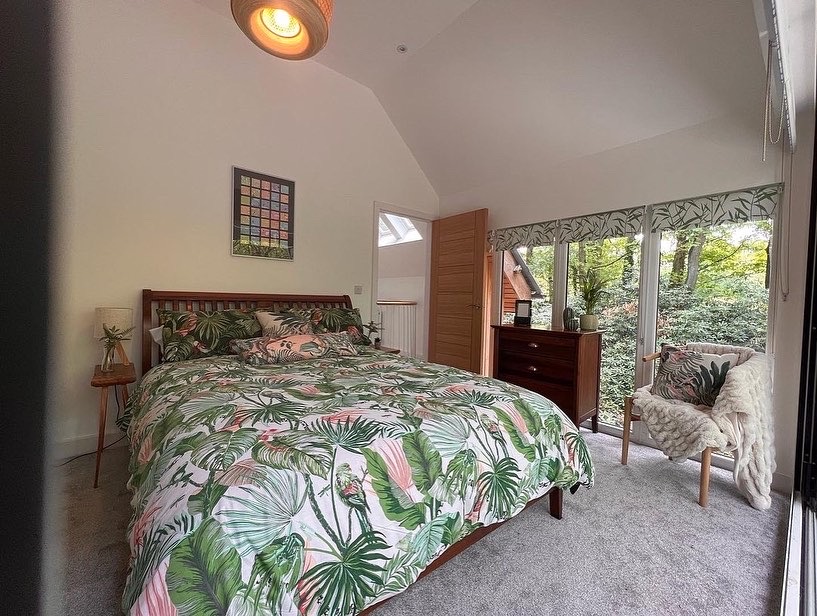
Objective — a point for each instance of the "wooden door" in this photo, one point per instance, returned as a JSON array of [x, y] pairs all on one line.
[[455, 327]]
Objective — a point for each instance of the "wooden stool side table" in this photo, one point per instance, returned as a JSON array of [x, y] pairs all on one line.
[[122, 374]]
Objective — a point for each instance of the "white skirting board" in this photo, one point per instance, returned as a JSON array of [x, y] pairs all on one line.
[[62, 450]]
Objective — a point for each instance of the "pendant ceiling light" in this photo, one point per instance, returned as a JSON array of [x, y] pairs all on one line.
[[289, 29]]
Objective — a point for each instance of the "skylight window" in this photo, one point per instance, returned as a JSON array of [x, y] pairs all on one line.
[[396, 229]]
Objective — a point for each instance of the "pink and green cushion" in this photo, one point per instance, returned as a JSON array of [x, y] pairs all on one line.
[[690, 376], [300, 347], [283, 324], [337, 320]]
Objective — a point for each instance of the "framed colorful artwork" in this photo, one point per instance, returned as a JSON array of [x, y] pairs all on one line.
[[263, 216]]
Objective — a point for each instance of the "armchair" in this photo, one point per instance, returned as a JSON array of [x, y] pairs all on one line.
[[736, 418]]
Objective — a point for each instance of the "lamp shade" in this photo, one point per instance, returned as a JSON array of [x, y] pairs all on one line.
[[289, 29], [121, 318]]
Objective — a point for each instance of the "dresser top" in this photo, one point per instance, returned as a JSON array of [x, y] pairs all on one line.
[[542, 328]]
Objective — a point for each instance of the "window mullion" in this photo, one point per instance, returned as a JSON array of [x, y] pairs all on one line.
[[647, 301], [559, 284]]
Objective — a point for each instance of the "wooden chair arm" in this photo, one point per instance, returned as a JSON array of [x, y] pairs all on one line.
[[651, 356]]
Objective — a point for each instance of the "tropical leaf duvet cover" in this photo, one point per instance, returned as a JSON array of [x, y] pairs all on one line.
[[324, 486]]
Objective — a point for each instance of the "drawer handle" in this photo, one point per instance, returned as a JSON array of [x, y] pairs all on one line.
[[533, 368], [533, 345]]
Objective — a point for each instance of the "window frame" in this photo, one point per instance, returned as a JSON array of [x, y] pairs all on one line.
[[649, 273]]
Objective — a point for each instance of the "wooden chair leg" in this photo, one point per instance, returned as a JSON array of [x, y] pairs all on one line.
[[625, 437], [706, 461]]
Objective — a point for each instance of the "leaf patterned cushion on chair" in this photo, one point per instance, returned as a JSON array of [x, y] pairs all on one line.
[[190, 335], [283, 324], [300, 347], [337, 320], [691, 377]]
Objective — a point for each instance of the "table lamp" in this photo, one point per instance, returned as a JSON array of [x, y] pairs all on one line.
[[119, 322]]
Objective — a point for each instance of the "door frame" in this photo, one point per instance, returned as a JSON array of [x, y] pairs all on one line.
[[381, 207]]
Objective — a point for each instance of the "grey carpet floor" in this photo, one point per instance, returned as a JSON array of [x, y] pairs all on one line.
[[636, 543]]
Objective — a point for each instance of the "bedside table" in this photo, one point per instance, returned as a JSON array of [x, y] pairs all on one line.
[[390, 350], [121, 375]]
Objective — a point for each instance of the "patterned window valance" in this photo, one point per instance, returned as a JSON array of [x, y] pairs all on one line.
[[757, 203], [537, 234], [619, 223]]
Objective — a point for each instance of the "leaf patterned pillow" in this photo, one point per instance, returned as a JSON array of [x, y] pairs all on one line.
[[266, 350], [190, 335], [340, 344], [337, 320], [283, 324], [691, 377]]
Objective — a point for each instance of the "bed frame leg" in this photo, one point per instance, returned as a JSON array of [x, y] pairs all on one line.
[[556, 503]]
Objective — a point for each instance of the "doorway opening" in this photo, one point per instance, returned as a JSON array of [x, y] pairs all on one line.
[[401, 280]]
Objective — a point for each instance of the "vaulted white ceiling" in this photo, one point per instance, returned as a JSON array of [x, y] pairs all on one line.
[[491, 88]]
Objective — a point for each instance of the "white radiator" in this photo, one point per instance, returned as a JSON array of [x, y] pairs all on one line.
[[398, 326]]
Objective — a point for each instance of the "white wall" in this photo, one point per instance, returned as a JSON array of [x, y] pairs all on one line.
[[715, 156], [157, 100], [794, 242], [711, 157], [402, 275]]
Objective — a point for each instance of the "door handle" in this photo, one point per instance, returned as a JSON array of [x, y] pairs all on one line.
[[474, 306]]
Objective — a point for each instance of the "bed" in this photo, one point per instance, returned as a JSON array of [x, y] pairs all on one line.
[[324, 486]]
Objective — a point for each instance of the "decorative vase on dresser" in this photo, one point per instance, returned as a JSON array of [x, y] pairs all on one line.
[[564, 366]]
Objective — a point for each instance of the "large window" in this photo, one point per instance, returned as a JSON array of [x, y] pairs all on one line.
[[616, 262], [527, 273], [692, 270], [714, 285]]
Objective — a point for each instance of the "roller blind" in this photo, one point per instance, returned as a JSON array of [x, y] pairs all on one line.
[[618, 223], [758, 203], [536, 234]]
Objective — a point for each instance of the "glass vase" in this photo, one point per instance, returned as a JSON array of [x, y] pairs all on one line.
[[107, 358]]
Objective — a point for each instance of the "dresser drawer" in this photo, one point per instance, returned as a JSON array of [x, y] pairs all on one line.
[[537, 367], [561, 395], [557, 348]]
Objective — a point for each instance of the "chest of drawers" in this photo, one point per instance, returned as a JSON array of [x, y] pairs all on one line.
[[562, 366]]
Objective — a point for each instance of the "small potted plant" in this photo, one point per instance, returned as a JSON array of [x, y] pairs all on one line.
[[373, 329], [591, 290], [112, 339]]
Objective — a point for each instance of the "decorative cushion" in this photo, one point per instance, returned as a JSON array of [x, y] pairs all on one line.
[[340, 344], [266, 350], [691, 377], [283, 324], [189, 335], [337, 320]]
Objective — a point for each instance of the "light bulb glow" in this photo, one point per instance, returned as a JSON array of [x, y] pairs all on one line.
[[280, 22]]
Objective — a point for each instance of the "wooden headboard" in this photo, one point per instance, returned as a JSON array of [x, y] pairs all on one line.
[[195, 300]]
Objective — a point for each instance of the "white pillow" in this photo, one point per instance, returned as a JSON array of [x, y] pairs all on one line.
[[156, 334]]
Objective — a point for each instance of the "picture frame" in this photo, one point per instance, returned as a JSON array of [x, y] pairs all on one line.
[[522, 312], [263, 216]]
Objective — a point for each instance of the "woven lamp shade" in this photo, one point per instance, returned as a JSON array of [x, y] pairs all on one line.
[[121, 318], [301, 36]]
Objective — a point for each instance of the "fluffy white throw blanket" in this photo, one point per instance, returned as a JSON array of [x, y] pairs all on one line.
[[739, 422]]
